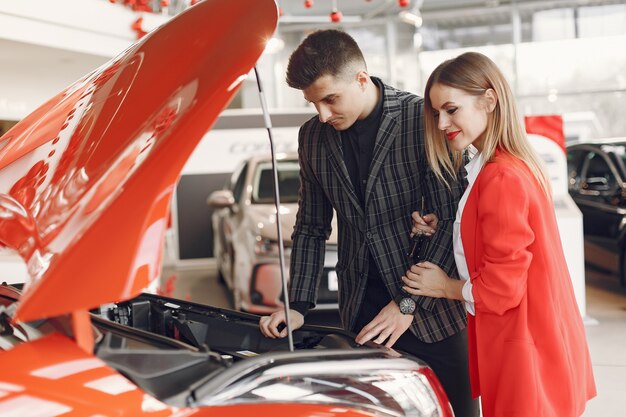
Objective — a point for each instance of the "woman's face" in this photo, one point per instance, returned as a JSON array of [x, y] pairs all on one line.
[[463, 117]]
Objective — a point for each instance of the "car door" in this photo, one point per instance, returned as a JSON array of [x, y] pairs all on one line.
[[228, 219], [596, 187]]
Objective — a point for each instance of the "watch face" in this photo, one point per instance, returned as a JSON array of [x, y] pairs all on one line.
[[407, 305]]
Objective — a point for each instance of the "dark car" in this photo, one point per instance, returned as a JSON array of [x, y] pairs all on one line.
[[597, 183]]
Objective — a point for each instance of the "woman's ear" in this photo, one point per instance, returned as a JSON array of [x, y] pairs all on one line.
[[491, 99]]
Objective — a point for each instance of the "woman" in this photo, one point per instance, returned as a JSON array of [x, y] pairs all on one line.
[[527, 344]]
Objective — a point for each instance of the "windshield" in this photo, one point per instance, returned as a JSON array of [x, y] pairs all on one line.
[[288, 182]]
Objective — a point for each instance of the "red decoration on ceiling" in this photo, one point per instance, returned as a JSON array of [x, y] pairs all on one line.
[[335, 16], [136, 27], [308, 4], [148, 5], [139, 5], [404, 3]]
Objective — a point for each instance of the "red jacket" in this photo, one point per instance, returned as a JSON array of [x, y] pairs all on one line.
[[527, 344]]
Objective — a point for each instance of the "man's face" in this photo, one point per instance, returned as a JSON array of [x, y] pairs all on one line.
[[339, 101]]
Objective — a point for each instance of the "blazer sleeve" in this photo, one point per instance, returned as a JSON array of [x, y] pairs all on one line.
[[443, 201], [499, 283], [312, 229]]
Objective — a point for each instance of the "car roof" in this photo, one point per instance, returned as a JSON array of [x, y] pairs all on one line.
[[266, 157], [598, 142]]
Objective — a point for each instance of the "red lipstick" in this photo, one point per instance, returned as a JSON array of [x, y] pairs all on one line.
[[452, 135]]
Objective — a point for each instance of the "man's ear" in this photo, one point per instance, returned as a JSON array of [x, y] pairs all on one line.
[[491, 99], [362, 78]]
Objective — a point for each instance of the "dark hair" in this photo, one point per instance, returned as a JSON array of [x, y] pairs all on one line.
[[324, 52]]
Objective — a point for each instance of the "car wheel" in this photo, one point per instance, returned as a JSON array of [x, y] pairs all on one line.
[[233, 280], [218, 255]]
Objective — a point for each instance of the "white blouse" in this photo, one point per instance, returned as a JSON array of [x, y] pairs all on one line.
[[473, 169]]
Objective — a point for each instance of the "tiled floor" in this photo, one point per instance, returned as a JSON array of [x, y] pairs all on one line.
[[606, 304]]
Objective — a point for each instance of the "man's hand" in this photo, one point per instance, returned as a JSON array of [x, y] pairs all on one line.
[[388, 325], [269, 324]]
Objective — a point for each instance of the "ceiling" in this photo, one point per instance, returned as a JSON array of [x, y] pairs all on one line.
[[433, 11]]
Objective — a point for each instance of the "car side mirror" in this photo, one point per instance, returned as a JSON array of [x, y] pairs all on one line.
[[221, 199]]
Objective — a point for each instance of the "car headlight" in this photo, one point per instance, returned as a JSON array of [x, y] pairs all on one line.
[[265, 247], [386, 387], [268, 247]]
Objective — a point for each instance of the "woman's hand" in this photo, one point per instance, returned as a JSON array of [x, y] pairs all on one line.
[[424, 225], [429, 280]]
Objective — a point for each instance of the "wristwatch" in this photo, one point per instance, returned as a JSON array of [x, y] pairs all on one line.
[[406, 303]]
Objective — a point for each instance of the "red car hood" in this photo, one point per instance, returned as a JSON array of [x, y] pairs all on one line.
[[86, 180]]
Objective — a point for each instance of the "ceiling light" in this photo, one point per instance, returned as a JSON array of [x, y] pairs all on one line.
[[414, 19]]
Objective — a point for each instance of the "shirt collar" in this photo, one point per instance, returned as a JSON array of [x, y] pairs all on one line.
[[474, 166]]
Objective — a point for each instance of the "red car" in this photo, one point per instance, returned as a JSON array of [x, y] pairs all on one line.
[[85, 193]]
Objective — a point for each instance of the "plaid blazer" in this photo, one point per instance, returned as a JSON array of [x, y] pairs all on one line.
[[399, 176]]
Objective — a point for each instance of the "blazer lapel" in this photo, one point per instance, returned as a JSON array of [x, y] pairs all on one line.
[[387, 132], [469, 224], [335, 151]]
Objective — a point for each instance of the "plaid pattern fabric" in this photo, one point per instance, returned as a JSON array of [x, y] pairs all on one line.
[[399, 176]]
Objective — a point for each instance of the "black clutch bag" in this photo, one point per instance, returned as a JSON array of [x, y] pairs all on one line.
[[419, 242]]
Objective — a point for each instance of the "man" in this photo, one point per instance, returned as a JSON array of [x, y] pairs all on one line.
[[364, 157]]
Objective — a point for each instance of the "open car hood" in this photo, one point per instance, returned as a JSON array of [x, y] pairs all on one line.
[[86, 179]]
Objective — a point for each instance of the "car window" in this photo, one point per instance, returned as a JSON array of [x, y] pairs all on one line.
[[238, 181], [597, 173], [617, 155], [288, 182]]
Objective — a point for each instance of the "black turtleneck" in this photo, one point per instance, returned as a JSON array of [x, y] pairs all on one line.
[[358, 145]]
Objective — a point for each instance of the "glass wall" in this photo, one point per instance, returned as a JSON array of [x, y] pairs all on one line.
[[567, 61], [559, 60]]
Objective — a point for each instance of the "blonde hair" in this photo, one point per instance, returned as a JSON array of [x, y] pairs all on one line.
[[474, 73]]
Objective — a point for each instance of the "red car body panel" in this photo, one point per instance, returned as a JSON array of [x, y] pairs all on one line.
[[85, 187], [93, 170], [282, 410], [52, 376]]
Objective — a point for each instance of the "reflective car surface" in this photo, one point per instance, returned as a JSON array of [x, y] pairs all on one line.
[[597, 183], [86, 183], [246, 240]]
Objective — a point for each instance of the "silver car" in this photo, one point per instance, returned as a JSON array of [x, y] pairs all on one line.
[[245, 235]]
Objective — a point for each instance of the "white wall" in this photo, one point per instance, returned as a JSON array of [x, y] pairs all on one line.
[[46, 45], [95, 27]]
